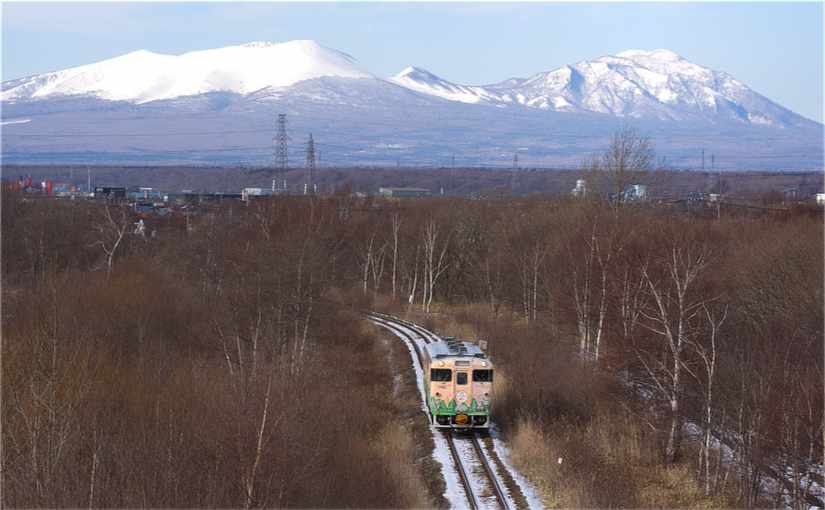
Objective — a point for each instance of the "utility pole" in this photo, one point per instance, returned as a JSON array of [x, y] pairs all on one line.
[[88, 179], [310, 165], [514, 174], [452, 172], [718, 187], [703, 159]]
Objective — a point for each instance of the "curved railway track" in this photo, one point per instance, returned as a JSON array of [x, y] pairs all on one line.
[[476, 474]]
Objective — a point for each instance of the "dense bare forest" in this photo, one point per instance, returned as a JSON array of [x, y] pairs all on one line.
[[222, 361]]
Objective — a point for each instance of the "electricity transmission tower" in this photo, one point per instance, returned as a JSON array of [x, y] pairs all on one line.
[[280, 141], [310, 166], [514, 174]]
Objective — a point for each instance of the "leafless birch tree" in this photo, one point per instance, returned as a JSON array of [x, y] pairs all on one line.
[[670, 319], [111, 234], [435, 260]]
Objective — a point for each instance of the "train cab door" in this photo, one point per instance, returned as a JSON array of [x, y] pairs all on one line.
[[463, 390], [442, 386]]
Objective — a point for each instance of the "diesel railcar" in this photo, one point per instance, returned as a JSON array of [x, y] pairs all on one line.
[[459, 384]]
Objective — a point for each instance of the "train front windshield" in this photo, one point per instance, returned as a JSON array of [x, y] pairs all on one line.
[[482, 376], [441, 375]]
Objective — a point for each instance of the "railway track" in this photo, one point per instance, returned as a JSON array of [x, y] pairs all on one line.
[[480, 487], [481, 484]]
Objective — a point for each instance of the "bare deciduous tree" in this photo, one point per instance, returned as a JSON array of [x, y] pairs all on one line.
[[435, 260], [396, 227], [111, 234], [628, 159], [670, 319]]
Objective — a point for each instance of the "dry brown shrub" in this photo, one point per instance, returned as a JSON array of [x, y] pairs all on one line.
[[394, 446]]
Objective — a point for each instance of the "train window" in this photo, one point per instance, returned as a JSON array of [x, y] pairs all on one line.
[[441, 375], [482, 376], [461, 378]]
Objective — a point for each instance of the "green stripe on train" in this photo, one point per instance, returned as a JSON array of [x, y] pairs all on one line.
[[438, 406]]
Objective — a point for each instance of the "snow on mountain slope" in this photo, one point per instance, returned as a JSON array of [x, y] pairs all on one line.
[[636, 83], [143, 76], [421, 80]]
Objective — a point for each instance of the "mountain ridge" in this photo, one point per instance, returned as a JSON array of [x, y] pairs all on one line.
[[634, 83], [552, 119]]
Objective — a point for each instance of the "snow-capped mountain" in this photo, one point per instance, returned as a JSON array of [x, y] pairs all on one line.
[[639, 84], [143, 76], [219, 105]]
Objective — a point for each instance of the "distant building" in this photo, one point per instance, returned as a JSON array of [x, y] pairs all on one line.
[[144, 194], [636, 193], [110, 192], [580, 190], [790, 194], [248, 193], [142, 208], [633, 193], [404, 192]]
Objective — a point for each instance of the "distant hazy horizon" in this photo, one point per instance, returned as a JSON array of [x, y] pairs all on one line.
[[774, 48]]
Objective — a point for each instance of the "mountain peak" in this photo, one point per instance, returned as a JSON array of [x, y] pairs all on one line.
[[425, 82], [411, 71], [660, 54], [258, 44], [142, 76]]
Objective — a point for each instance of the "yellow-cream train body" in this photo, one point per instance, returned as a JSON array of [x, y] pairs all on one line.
[[458, 378]]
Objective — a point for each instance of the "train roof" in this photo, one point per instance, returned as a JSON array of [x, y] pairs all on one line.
[[449, 346]]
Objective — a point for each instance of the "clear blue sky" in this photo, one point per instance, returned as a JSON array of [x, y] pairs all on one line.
[[775, 48]]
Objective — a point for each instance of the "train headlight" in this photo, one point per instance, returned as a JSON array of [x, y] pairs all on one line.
[[483, 363], [441, 363], [461, 419]]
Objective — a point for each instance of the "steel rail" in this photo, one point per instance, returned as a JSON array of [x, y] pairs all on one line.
[[426, 335], [388, 324], [462, 471], [488, 469]]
